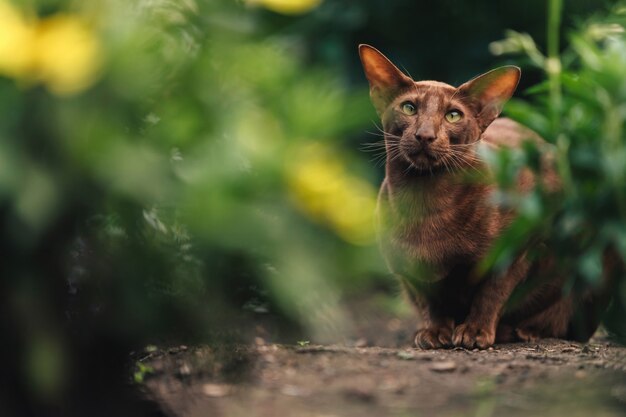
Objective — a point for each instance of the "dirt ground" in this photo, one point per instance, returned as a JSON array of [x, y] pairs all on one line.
[[379, 374]]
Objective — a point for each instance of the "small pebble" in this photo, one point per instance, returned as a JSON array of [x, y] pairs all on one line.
[[216, 390], [360, 394], [184, 370], [362, 342], [407, 356], [294, 391], [588, 349], [445, 366]]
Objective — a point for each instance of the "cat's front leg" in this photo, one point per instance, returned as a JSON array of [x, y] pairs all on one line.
[[435, 330], [479, 328]]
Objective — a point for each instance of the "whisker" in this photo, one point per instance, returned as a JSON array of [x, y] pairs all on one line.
[[372, 147], [409, 168], [465, 161], [445, 165], [449, 159], [386, 133], [389, 151], [464, 145], [382, 135]]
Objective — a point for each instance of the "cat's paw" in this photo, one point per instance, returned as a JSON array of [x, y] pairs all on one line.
[[435, 337], [472, 336], [527, 335]]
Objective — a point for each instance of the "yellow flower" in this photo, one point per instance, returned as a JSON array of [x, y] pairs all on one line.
[[290, 7], [60, 51], [67, 54], [323, 190], [16, 35]]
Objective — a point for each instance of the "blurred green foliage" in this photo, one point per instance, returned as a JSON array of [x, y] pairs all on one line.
[[158, 192], [580, 110], [165, 165]]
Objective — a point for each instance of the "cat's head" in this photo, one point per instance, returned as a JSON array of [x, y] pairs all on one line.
[[430, 125]]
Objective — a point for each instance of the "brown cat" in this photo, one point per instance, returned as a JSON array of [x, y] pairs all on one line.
[[436, 226]]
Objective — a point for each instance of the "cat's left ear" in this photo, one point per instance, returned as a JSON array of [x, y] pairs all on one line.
[[488, 93], [385, 79]]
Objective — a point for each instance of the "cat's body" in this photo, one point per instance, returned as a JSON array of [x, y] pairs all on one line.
[[436, 226]]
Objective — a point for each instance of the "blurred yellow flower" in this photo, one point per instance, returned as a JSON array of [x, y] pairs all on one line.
[[60, 51], [15, 32], [323, 189], [67, 54], [288, 6]]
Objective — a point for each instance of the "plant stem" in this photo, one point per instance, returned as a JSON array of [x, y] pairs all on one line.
[[553, 63], [553, 69]]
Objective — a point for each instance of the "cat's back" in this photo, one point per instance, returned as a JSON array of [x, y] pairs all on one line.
[[507, 133], [504, 132]]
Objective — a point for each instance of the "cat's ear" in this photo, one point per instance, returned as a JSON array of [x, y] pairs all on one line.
[[488, 93], [386, 81]]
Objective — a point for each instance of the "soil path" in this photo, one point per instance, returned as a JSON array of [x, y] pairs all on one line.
[[554, 378], [550, 378]]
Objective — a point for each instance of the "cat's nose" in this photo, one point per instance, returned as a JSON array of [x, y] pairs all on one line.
[[425, 135]]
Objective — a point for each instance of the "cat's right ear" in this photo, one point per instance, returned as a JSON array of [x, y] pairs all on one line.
[[487, 93], [386, 81]]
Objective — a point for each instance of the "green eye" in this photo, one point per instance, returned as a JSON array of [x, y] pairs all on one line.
[[454, 116], [408, 108]]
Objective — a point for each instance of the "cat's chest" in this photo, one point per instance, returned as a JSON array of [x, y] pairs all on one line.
[[441, 225]]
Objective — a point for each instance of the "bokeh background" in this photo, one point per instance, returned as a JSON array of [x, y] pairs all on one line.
[[170, 169]]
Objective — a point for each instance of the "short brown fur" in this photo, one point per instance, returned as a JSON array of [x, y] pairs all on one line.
[[436, 226]]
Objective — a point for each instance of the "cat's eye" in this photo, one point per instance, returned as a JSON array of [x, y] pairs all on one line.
[[408, 108], [454, 116]]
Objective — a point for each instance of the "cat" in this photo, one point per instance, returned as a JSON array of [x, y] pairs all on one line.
[[435, 226]]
